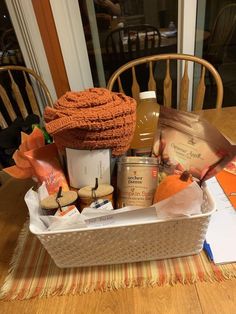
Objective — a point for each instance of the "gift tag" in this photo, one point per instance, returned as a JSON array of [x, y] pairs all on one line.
[[67, 211]]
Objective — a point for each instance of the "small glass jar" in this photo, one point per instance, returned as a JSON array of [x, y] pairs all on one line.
[[103, 191], [136, 181]]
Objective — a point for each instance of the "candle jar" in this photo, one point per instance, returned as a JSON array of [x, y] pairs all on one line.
[[88, 194], [53, 202]]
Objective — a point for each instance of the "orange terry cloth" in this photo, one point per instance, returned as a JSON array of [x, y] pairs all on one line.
[[92, 119], [227, 181]]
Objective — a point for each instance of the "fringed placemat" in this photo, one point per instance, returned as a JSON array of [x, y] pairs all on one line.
[[33, 273]]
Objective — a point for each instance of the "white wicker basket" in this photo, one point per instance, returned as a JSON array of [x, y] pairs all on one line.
[[131, 243]]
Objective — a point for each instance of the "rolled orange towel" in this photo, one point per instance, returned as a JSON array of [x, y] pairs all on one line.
[[92, 119]]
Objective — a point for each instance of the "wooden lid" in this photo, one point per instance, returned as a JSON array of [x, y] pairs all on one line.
[[66, 198], [102, 190]]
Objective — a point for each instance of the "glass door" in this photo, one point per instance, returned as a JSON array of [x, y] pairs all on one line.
[[10, 52], [112, 27], [84, 32], [216, 20]]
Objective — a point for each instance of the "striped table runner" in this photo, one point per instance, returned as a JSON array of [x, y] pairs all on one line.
[[33, 273]]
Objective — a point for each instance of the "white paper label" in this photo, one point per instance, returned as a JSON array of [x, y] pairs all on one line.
[[84, 166]]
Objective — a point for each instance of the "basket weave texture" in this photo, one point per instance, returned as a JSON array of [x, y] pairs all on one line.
[[130, 243]]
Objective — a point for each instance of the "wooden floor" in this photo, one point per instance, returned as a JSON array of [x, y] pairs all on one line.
[[207, 298]]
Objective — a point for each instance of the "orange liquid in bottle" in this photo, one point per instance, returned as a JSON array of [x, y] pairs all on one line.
[[146, 124]]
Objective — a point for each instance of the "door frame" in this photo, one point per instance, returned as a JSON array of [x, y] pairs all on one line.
[[70, 32], [187, 14], [30, 42]]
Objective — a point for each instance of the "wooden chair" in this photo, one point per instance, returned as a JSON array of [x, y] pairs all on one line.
[[222, 32], [130, 42], [21, 90], [150, 61]]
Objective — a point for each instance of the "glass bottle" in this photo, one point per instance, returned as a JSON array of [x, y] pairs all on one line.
[[172, 26], [146, 124]]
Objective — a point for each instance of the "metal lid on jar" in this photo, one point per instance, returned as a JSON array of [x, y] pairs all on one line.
[[147, 95], [138, 160]]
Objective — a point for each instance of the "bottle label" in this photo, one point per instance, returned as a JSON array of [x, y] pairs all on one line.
[[136, 185]]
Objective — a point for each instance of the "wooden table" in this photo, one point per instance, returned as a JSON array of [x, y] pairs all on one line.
[[165, 41], [208, 298], [172, 41], [224, 119]]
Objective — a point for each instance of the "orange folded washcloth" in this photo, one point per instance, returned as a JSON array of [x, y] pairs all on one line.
[[92, 119]]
